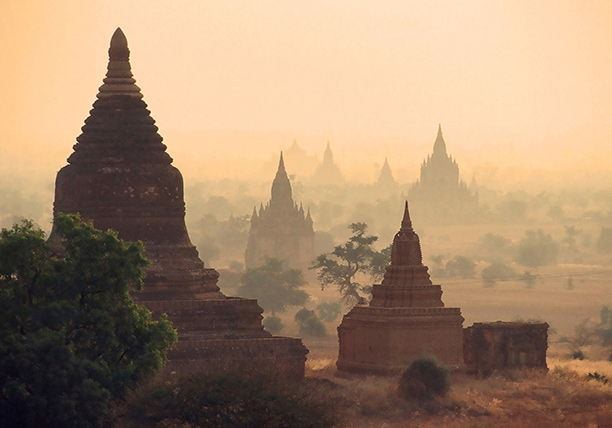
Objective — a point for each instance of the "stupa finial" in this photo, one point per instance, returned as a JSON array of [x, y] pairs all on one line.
[[119, 79], [406, 221]]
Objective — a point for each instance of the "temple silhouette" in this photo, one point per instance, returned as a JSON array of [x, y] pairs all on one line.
[[121, 177], [281, 229], [439, 195], [327, 173], [406, 318]]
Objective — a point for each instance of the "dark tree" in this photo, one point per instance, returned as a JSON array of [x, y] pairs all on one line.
[[72, 340], [310, 325], [537, 249], [273, 286], [329, 311], [342, 266]]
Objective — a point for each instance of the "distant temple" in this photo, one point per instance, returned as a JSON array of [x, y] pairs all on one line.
[[121, 177], [406, 318], [386, 181], [303, 164], [440, 195], [281, 229], [328, 173]]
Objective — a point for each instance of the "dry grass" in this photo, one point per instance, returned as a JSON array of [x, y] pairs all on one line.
[[560, 398]]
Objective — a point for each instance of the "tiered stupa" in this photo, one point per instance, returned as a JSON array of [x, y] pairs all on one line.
[[120, 177], [406, 318], [281, 230], [440, 196]]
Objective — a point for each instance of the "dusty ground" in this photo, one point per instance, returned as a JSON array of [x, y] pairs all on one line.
[[561, 398]]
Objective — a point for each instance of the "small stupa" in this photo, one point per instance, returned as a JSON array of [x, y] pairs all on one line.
[[406, 318], [121, 177]]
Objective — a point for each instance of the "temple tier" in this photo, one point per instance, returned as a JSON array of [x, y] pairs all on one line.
[[121, 177]]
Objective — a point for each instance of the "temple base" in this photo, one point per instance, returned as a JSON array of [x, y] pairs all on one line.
[[223, 335], [383, 340]]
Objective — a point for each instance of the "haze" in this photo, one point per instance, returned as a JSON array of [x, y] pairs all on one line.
[[522, 89]]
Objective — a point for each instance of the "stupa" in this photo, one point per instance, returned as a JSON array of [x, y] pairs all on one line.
[[121, 177], [406, 318], [281, 229]]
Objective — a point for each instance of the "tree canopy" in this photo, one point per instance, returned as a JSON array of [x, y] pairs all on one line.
[[273, 286], [537, 249], [356, 256], [72, 340]]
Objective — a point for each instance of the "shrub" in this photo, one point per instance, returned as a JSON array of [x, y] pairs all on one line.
[[597, 377], [577, 355], [273, 324], [604, 241], [424, 380], [310, 325], [233, 401]]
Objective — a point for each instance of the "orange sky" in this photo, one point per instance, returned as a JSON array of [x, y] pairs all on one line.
[[234, 81]]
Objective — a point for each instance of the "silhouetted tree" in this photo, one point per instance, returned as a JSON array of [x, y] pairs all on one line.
[[537, 249], [309, 324], [346, 261], [273, 286]]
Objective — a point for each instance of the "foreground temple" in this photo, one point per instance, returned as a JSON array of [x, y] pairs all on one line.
[[406, 318], [281, 229], [439, 195], [121, 177]]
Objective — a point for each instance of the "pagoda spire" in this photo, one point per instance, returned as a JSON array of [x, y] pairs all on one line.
[[439, 144], [119, 78], [406, 221], [281, 186], [406, 248], [328, 156]]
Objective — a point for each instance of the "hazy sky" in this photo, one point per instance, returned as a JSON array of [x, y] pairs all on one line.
[[234, 81]]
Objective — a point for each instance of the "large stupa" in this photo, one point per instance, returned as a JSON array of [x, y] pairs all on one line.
[[121, 177]]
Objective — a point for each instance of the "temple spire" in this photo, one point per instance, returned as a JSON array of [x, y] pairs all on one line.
[[328, 156], [281, 187], [406, 221], [119, 79], [439, 145]]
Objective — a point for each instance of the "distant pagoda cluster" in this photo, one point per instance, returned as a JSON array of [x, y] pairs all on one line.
[[121, 177], [281, 229], [439, 195]]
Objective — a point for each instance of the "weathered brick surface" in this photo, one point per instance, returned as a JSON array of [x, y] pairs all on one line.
[[505, 345]]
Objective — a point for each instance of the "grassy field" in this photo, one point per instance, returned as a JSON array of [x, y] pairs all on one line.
[[561, 398]]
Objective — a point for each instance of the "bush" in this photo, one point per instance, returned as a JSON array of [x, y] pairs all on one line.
[[273, 324], [604, 241], [424, 380], [577, 355], [329, 311], [310, 325], [233, 401], [597, 377]]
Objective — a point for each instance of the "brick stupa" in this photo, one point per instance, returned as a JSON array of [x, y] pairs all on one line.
[[406, 318], [121, 177]]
